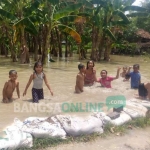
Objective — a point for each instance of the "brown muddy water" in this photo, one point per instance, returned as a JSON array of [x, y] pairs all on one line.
[[61, 76]]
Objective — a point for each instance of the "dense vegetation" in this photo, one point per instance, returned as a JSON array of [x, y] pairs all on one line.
[[40, 27]]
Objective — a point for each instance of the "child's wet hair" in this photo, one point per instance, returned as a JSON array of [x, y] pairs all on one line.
[[12, 72], [38, 63], [89, 62], [136, 66], [104, 70], [80, 66], [125, 67]]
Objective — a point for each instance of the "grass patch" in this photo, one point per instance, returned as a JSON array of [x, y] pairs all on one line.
[[41, 143]]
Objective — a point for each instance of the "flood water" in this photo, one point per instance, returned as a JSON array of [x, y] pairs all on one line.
[[62, 77]]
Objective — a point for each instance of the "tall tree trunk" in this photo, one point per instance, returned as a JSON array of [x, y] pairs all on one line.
[[107, 51], [6, 51], [11, 46], [71, 51], [59, 42], [79, 51], [66, 46], [2, 49], [35, 48], [46, 42], [95, 42], [101, 46], [24, 55], [13, 53], [30, 42], [40, 44]]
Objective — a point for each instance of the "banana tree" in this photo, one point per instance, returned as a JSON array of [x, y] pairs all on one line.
[[52, 12], [108, 18], [20, 22], [6, 31]]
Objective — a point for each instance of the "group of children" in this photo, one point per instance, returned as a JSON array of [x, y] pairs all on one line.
[[37, 90], [87, 76]]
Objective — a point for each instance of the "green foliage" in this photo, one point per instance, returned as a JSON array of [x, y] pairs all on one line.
[[54, 2], [86, 4], [134, 8], [138, 14], [66, 11], [122, 16], [110, 34], [27, 23], [31, 8], [124, 48], [71, 32], [143, 23], [100, 16], [68, 19], [6, 14]]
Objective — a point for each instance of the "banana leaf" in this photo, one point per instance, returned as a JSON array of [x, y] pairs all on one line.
[[54, 2], [134, 8], [27, 23], [7, 14], [66, 11], [119, 23], [34, 7], [68, 19], [86, 4], [109, 34], [121, 15], [138, 14], [71, 32]]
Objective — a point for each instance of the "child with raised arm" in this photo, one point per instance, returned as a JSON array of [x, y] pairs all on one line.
[[80, 79], [124, 71], [10, 86], [106, 80], [135, 76], [37, 77], [124, 74]]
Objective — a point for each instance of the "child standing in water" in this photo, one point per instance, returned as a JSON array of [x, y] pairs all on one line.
[[135, 76], [144, 90], [10, 86], [124, 74], [124, 71], [37, 77], [106, 80], [90, 74], [80, 79]]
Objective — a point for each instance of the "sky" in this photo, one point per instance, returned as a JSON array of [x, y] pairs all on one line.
[[137, 2]]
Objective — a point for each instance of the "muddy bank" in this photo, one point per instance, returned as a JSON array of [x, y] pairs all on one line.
[[135, 139]]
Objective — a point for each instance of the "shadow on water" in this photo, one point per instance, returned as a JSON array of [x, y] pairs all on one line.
[[60, 69], [28, 100]]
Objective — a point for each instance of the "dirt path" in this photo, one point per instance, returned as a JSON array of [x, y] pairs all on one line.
[[135, 139]]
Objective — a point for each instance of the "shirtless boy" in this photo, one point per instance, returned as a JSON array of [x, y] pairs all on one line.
[[124, 71], [80, 79], [10, 86]]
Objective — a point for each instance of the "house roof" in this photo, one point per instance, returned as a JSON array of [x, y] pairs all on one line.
[[144, 34]]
